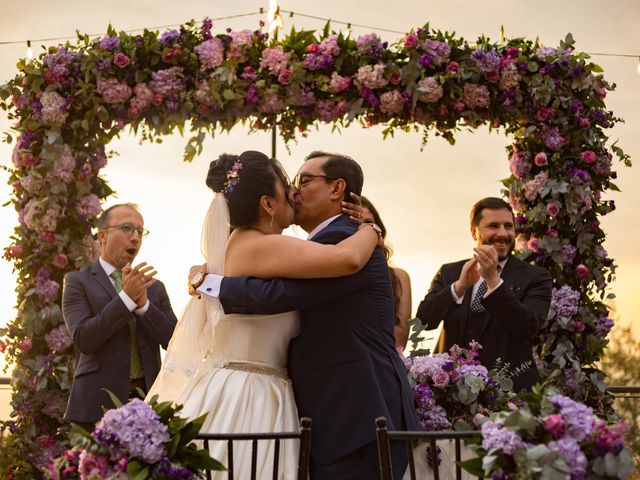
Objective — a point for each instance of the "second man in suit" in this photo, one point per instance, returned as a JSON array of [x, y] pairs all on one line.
[[493, 298]]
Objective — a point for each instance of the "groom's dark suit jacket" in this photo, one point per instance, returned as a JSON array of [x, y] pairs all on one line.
[[514, 312], [98, 321], [343, 365]]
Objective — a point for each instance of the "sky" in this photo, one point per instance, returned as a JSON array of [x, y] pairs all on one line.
[[423, 194]]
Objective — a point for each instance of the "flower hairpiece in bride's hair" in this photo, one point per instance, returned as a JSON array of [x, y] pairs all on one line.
[[233, 177]]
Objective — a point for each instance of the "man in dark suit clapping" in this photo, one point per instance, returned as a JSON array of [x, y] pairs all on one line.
[[493, 298], [118, 317]]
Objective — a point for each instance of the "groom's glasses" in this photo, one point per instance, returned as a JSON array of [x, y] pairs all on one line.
[[302, 180], [128, 229]]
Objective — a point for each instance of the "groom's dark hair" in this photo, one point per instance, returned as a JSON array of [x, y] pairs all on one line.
[[341, 166]]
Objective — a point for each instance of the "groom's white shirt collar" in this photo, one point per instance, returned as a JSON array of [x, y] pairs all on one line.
[[321, 226]]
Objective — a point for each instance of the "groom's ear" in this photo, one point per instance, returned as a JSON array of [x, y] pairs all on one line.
[[338, 189]]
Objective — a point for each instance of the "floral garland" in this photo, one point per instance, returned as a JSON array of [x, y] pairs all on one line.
[[71, 101]]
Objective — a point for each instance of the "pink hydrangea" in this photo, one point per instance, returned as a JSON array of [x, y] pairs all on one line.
[[64, 165], [92, 466], [509, 77], [211, 53], [167, 82], [113, 91], [370, 76], [41, 217], [272, 103], [391, 102], [519, 164], [47, 290], [53, 112], [239, 40], [143, 97], [275, 59], [58, 339], [31, 184], [476, 96], [534, 187], [330, 46], [430, 90], [339, 83], [88, 206], [203, 93], [328, 110]]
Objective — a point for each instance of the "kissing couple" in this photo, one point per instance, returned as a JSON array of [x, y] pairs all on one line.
[[280, 328]]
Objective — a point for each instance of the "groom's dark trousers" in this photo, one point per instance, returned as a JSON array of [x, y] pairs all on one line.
[[343, 364]]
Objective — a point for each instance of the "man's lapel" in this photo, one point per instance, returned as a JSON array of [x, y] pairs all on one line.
[[340, 219], [102, 279]]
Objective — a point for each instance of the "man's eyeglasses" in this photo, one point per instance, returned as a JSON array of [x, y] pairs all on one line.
[[302, 180], [128, 229]]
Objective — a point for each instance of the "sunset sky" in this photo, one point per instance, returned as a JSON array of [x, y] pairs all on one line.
[[424, 196]]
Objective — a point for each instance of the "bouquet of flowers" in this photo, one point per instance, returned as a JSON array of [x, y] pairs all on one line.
[[453, 390], [136, 441], [554, 437]]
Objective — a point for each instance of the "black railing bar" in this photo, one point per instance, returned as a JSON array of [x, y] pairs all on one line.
[[276, 458], [434, 458], [432, 435], [5, 381], [633, 389], [230, 458], [248, 436], [254, 458]]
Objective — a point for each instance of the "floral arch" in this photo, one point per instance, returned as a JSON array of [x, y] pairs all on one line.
[[71, 101]]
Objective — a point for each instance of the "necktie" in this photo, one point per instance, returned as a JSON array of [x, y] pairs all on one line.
[[136, 364], [476, 303]]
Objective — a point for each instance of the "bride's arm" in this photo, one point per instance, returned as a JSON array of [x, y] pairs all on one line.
[[272, 256]]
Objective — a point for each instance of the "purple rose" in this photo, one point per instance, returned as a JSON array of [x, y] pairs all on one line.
[[440, 379], [121, 60]]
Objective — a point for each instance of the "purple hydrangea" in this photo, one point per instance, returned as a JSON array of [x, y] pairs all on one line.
[[577, 416], [169, 37], [109, 43], [564, 301], [569, 252], [604, 324], [484, 60], [553, 139], [58, 339], [370, 44], [438, 51], [135, 429], [495, 435], [431, 416], [572, 453]]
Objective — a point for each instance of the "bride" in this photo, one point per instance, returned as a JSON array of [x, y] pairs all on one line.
[[233, 367]]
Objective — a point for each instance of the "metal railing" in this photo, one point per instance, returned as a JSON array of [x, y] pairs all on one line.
[[304, 435]]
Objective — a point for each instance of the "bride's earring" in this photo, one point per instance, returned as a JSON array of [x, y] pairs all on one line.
[[271, 223]]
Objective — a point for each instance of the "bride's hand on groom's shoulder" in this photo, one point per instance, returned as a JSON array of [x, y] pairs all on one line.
[[353, 208]]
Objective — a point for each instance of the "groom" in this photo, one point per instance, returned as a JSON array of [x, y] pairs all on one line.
[[343, 364]]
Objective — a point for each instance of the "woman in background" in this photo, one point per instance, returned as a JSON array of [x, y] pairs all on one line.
[[399, 278]]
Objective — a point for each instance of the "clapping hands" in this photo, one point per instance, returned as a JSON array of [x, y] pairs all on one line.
[[136, 280]]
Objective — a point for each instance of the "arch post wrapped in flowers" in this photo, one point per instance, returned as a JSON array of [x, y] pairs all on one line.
[[69, 103]]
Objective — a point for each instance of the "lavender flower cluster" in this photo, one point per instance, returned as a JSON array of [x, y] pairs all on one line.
[[565, 301]]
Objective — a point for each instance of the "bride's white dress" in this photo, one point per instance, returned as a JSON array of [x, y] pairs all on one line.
[[233, 368]]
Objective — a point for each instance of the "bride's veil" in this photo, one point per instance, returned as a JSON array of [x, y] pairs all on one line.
[[193, 335]]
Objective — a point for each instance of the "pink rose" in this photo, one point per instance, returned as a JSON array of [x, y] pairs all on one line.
[[602, 92], [540, 159], [133, 112], [16, 250], [313, 48], [284, 77], [459, 106], [553, 209], [443, 110], [440, 379], [584, 123], [582, 271], [60, 260], [157, 99], [555, 425], [493, 76], [395, 78], [453, 67], [121, 60], [48, 237], [25, 345], [579, 326], [533, 244], [588, 156], [411, 41], [477, 418], [512, 406]]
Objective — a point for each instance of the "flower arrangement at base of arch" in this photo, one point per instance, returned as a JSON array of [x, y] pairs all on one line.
[[72, 100]]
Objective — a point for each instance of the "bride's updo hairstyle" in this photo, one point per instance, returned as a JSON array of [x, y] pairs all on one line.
[[244, 179]]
